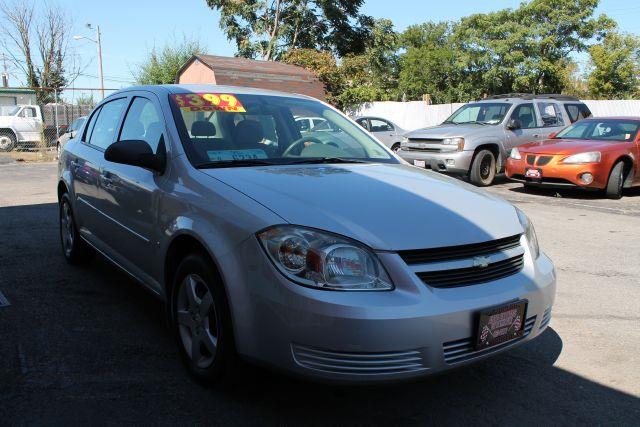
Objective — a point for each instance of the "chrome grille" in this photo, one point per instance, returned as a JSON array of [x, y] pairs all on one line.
[[420, 145], [464, 349], [472, 275], [546, 318], [422, 256], [358, 363]]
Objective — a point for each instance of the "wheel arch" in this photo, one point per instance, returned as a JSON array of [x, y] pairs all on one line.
[[62, 188], [628, 168], [494, 147]]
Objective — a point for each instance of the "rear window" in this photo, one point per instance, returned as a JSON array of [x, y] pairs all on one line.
[[577, 112]]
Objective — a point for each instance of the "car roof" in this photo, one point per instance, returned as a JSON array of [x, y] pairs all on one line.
[[204, 88]]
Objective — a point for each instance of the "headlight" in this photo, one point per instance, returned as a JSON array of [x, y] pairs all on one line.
[[323, 260], [515, 154], [590, 157], [530, 234], [459, 142]]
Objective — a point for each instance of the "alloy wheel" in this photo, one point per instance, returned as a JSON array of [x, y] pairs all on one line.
[[5, 142], [67, 228], [197, 322]]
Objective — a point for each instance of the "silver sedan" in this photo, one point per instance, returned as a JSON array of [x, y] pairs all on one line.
[[275, 246]]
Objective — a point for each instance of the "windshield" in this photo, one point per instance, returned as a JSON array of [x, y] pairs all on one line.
[[601, 130], [484, 113], [8, 111], [246, 130]]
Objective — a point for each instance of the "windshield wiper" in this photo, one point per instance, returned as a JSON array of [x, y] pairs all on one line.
[[235, 163], [321, 160], [475, 122], [449, 122]]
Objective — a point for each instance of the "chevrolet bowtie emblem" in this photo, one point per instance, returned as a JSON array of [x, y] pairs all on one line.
[[480, 262]]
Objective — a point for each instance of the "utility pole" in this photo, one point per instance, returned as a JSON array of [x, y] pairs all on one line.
[[5, 74], [100, 60]]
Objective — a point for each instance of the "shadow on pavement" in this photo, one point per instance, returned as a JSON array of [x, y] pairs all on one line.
[[87, 344]]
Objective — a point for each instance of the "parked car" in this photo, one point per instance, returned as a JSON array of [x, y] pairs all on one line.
[[315, 124], [23, 126], [599, 153], [69, 133], [387, 132], [476, 139], [280, 249]]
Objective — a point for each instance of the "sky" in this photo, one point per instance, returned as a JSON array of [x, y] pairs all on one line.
[[131, 28]]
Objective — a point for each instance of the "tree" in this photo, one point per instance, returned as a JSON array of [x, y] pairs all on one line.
[[616, 67], [323, 64], [434, 64], [161, 67], [524, 50], [48, 30], [268, 28]]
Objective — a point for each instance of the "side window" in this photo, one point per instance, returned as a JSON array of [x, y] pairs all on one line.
[[380, 126], [90, 125], [551, 114], [526, 115], [28, 113], [143, 123], [577, 112], [303, 125], [104, 128]]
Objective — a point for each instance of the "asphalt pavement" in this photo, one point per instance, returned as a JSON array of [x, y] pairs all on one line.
[[88, 345]]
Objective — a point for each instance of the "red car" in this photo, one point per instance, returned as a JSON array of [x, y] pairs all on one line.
[[596, 153]]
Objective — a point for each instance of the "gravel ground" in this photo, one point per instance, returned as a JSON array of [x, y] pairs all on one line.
[[89, 345]]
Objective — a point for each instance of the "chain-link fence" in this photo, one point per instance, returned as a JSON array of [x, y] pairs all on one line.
[[31, 131]]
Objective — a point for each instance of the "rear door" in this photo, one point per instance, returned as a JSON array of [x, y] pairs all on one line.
[[131, 194], [85, 163]]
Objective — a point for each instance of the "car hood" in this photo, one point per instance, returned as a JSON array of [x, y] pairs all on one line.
[[566, 146], [387, 207], [452, 131]]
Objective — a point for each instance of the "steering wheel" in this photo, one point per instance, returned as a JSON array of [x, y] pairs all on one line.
[[298, 143]]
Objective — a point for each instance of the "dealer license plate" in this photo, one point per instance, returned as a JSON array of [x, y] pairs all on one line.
[[501, 324], [420, 163], [533, 174]]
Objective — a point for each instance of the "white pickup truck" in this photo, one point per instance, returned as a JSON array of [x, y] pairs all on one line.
[[22, 125]]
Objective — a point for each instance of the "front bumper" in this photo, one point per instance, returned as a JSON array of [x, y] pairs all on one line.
[[455, 162], [556, 174], [356, 337]]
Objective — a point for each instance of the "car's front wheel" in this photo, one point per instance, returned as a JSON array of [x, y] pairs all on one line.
[[483, 168], [200, 319], [75, 250], [616, 181], [7, 141]]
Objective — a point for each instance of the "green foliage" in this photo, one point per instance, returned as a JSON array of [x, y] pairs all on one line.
[[268, 28], [616, 67], [85, 99], [323, 64], [161, 67]]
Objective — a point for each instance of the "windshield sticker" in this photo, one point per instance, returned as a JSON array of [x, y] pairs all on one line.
[[216, 156], [209, 102]]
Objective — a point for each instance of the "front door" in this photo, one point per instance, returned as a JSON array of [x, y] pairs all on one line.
[[383, 131], [28, 126], [529, 129], [551, 118], [131, 194]]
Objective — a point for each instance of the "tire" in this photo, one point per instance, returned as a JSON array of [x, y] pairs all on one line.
[[483, 168], [75, 250], [200, 310], [616, 181], [396, 147], [7, 141]]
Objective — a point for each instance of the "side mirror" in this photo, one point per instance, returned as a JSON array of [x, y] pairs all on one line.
[[135, 152], [514, 124]]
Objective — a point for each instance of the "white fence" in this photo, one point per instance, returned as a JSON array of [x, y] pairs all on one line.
[[418, 114]]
